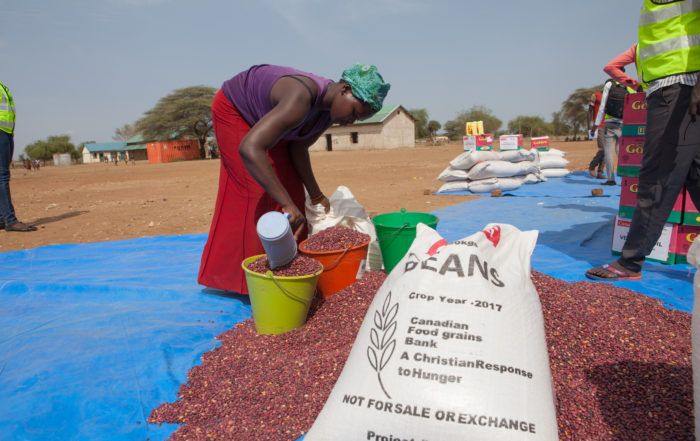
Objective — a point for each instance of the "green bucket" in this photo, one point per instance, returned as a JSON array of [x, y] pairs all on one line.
[[279, 304], [396, 232]]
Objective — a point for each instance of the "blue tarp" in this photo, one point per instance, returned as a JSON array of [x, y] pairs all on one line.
[[95, 336]]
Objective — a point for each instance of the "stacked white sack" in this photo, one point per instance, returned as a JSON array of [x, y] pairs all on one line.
[[484, 171], [553, 163]]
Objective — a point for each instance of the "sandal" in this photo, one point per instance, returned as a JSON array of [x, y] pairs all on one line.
[[608, 183], [613, 274], [19, 226]]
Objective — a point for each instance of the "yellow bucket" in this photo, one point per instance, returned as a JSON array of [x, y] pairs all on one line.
[[279, 304]]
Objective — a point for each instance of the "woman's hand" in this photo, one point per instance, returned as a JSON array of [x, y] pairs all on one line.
[[326, 203], [296, 219]]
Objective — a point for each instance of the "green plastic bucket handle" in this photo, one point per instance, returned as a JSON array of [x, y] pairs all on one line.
[[394, 233], [284, 290]]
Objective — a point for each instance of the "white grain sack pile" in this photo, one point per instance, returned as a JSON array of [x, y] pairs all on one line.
[[452, 348], [553, 163], [485, 171]]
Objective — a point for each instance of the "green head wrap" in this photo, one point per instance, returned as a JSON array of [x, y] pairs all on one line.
[[367, 85]]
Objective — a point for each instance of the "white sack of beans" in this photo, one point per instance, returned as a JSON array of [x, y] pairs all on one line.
[[694, 259], [454, 186], [466, 160], [488, 185], [534, 178], [452, 348], [554, 172], [451, 174], [345, 211], [518, 155], [501, 169], [553, 161]]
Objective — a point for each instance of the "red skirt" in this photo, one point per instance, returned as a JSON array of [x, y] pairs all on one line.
[[240, 202]]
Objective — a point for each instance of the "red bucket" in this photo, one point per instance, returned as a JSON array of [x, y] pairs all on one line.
[[340, 267]]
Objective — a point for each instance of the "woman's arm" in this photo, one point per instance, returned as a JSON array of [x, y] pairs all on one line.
[[299, 153], [291, 104]]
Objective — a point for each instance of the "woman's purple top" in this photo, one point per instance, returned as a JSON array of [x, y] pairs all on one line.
[[249, 92]]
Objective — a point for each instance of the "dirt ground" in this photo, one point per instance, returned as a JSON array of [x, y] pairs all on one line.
[[103, 202]]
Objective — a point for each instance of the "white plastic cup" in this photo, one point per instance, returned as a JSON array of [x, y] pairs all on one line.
[[277, 238]]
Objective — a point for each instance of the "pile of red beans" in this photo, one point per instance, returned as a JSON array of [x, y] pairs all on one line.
[[335, 238], [299, 266], [620, 361]]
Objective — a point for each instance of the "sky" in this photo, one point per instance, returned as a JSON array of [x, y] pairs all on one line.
[[87, 67]]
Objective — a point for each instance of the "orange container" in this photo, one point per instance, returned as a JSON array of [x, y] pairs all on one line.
[[340, 267]]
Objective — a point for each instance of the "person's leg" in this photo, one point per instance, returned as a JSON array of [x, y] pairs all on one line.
[[666, 165], [7, 211], [671, 157], [612, 133], [597, 161]]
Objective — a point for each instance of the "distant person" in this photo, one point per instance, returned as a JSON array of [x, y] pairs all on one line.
[[36, 164], [115, 159], [595, 132], [611, 107], [123, 156], [669, 61], [8, 221], [265, 119], [28, 164]]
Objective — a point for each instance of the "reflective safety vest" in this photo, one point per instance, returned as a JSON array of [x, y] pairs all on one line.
[[669, 38], [7, 110]]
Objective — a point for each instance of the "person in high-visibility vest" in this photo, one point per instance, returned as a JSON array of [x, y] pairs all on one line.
[[8, 221], [668, 57]]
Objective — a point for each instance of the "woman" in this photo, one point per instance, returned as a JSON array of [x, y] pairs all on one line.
[[265, 119]]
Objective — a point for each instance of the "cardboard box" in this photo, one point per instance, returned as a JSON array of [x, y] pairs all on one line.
[[475, 128], [630, 152], [685, 235], [635, 110], [510, 142], [628, 201], [541, 143], [633, 130], [478, 142], [691, 216], [661, 251]]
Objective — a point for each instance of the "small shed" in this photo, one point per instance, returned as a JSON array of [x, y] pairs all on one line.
[[173, 150], [61, 159], [390, 128]]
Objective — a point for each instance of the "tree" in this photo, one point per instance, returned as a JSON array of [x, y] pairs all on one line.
[[530, 126], [574, 109], [433, 127], [45, 149], [184, 112], [559, 126], [125, 133], [456, 128], [421, 124]]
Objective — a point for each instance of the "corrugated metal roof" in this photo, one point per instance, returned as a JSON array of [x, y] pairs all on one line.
[[105, 146], [379, 116]]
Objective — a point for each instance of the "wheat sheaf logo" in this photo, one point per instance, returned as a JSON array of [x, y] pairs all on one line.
[[382, 340]]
